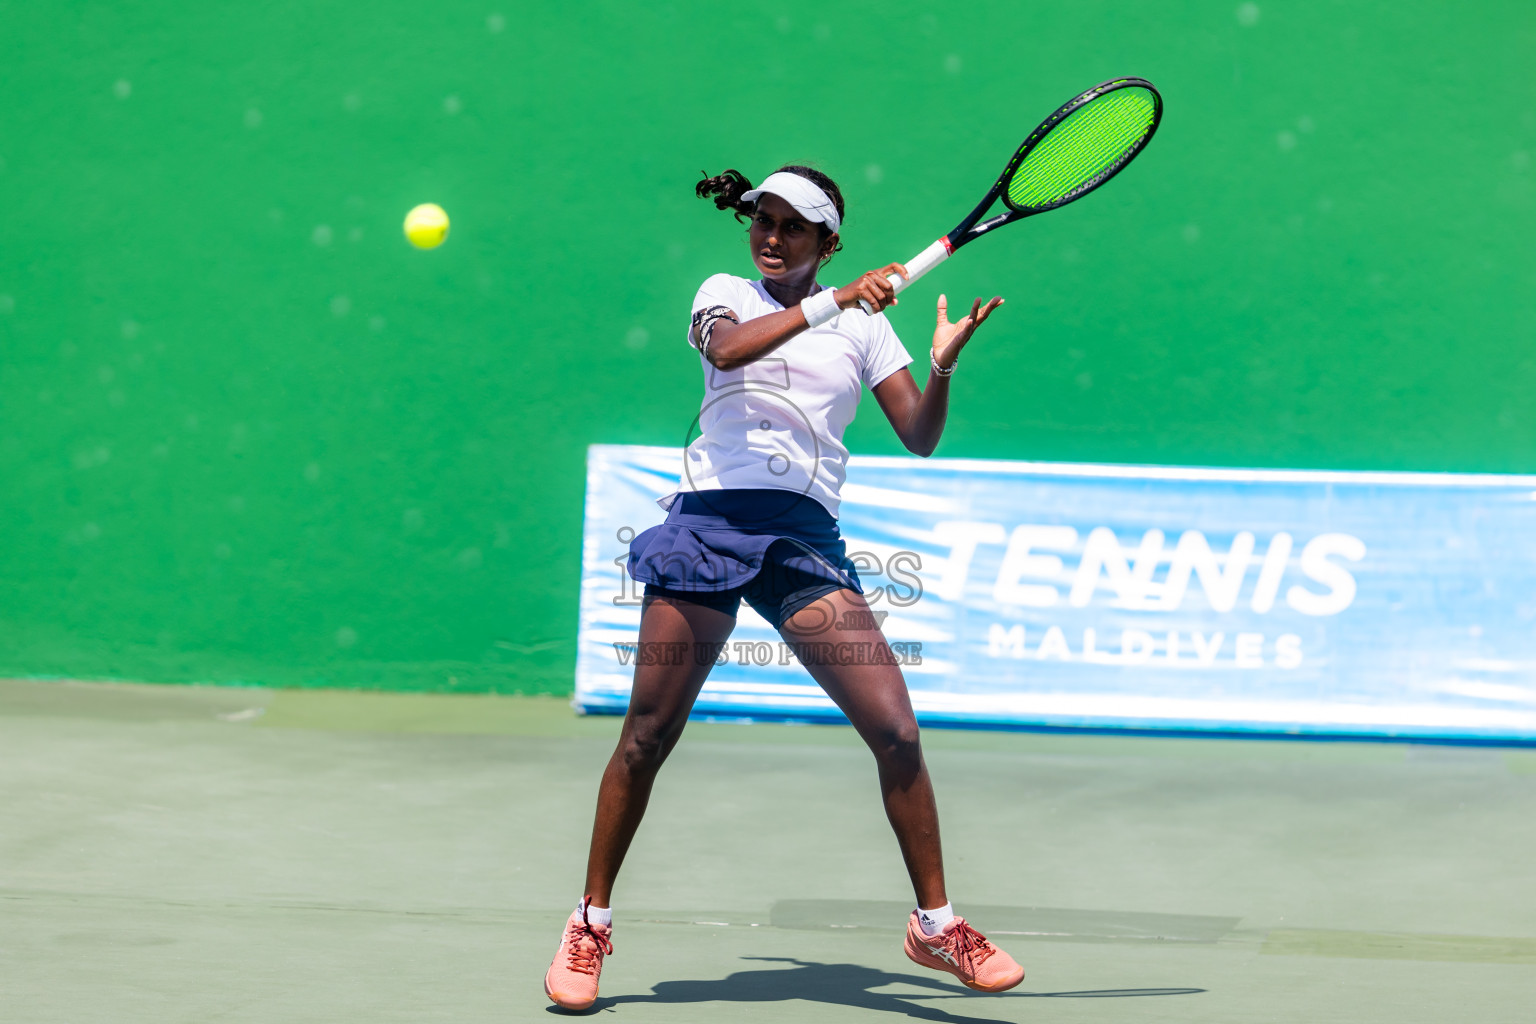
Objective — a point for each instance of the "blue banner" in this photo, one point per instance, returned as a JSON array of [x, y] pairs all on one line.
[[1149, 598]]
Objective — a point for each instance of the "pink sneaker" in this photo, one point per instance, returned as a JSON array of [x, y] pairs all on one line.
[[571, 981], [964, 952]]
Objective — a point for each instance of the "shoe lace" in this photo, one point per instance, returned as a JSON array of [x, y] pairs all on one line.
[[583, 943], [971, 944]]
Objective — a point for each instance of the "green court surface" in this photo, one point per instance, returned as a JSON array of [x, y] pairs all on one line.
[[217, 854]]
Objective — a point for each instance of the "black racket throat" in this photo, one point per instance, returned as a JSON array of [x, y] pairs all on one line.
[[969, 229]]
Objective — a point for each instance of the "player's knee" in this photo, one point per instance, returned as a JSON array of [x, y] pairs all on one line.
[[899, 747], [644, 748]]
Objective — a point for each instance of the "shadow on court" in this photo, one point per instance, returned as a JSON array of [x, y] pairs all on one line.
[[847, 985]]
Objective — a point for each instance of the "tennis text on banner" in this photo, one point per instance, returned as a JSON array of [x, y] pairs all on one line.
[[1034, 572]]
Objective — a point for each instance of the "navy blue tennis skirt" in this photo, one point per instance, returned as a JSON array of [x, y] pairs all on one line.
[[776, 549]]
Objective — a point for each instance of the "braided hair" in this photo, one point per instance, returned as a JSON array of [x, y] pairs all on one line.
[[727, 188]]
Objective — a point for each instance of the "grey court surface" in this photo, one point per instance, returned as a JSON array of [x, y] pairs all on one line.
[[206, 854]]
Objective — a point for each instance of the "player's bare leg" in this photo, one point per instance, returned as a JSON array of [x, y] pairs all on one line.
[[659, 704], [679, 642], [874, 697], [838, 642]]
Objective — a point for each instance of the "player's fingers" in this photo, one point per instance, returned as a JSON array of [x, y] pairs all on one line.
[[874, 294], [971, 318], [986, 310], [943, 310], [895, 268]]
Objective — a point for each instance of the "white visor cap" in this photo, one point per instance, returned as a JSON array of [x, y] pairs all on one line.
[[803, 194]]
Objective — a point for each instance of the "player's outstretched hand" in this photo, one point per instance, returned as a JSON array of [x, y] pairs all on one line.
[[873, 288], [950, 338]]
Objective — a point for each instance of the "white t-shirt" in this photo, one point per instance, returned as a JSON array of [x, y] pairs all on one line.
[[779, 422]]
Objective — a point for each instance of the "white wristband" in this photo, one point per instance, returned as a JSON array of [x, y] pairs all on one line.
[[821, 307]]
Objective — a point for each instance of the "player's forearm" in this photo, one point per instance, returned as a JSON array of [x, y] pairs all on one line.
[[735, 345], [926, 425]]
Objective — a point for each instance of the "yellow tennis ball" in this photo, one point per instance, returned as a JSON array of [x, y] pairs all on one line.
[[426, 226]]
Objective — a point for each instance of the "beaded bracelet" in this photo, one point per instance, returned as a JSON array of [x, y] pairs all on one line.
[[933, 360]]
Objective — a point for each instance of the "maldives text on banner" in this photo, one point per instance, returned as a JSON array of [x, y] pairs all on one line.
[[1034, 594]]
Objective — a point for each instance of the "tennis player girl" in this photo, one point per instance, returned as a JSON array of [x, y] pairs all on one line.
[[756, 519]]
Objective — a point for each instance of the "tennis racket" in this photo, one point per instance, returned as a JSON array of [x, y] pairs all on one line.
[[1087, 141]]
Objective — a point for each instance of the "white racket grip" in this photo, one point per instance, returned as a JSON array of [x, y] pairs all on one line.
[[917, 266]]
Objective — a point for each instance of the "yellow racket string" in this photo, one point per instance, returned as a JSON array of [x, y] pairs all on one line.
[[1093, 139]]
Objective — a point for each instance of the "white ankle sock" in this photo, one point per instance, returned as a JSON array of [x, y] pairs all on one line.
[[933, 921], [597, 915]]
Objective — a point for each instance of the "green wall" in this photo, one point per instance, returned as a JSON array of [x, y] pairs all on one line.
[[248, 435]]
